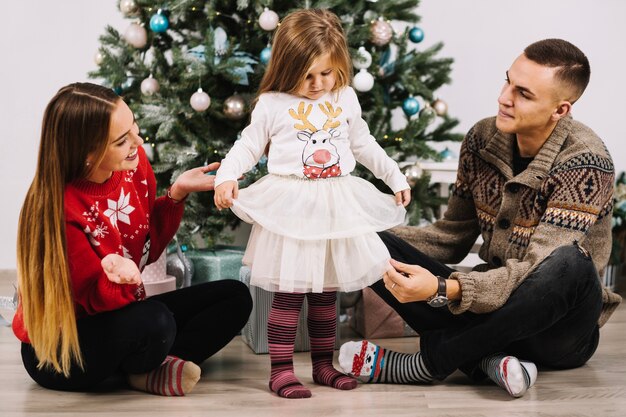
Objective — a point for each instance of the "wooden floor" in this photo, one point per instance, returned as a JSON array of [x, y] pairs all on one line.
[[234, 383]]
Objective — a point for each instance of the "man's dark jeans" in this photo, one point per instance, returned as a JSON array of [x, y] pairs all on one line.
[[551, 319]]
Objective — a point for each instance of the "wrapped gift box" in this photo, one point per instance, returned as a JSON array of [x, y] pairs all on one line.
[[254, 333], [223, 262], [373, 318]]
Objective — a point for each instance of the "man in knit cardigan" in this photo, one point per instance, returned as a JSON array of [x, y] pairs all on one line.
[[538, 186]]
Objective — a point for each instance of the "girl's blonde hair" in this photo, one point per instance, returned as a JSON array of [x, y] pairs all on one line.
[[75, 128], [302, 37]]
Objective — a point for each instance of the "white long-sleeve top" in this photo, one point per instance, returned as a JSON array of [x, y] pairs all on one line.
[[310, 138]]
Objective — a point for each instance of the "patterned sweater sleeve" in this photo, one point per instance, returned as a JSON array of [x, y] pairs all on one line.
[[576, 195], [449, 239]]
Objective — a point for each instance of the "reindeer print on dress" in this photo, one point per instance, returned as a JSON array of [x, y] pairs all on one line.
[[320, 158]]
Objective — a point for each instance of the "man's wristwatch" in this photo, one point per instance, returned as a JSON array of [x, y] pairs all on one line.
[[439, 299]]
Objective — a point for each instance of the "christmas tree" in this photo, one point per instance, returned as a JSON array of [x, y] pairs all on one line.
[[190, 69]]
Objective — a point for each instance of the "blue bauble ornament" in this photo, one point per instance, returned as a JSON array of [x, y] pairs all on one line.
[[117, 90], [416, 35], [265, 55], [447, 154], [410, 106], [159, 22]]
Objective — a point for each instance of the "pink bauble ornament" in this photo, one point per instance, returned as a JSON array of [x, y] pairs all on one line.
[[150, 86], [268, 20], [136, 35], [381, 32], [440, 106], [200, 101]]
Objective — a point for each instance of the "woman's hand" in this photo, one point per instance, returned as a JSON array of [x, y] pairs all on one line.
[[403, 197], [120, 270], [225, 193], [193, 180], [410, 282]]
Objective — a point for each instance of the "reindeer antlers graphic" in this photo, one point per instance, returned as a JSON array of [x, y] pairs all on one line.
[[303, 116], [330, 113]]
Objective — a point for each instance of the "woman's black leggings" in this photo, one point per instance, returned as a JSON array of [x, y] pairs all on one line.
[[191, 323]]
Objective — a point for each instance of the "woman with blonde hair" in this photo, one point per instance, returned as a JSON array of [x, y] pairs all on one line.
[[90, 222]]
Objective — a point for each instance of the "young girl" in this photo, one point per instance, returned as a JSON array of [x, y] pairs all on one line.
[[89, 223], [314, 225]]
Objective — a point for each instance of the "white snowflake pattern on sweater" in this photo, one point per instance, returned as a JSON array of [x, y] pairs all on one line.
[[120, 209]]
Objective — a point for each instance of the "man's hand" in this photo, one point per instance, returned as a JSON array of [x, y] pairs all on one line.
[[225, 193], [120, 270], [194, 180], [409, 282]]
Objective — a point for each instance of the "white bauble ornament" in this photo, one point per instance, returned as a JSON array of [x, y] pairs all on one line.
[[268, 20], [362, 59], [149, 86], [128, 7], [363, 81], [200, 101], [381, 32], [136, 35], [98, 58], [440, 106], [235, 107]]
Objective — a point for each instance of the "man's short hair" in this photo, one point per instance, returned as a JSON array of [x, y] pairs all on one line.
[[573, 65]]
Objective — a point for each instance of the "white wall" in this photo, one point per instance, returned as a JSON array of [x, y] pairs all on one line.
[[45, 45]]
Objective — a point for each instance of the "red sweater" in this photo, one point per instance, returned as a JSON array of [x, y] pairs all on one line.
[[120, 216]]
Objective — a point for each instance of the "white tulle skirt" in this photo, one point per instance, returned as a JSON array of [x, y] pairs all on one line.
[[316, 235]]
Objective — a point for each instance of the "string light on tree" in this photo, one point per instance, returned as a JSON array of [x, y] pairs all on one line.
[[381, 32], [416, 35], [150, 86], [268, 20], [200, 101], [363, 81], [136, 35], [159, 22]]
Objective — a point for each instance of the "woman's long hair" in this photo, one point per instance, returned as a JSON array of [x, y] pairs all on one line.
[[75, 128], [302, 37]]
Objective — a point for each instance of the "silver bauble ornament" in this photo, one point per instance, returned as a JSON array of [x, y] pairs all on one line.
[[440, 106], [362, 58], [413, 173], [149, 151], [268, 20], [128, 7], [235, 107], [177, 267], [200, 101], [136, 35], [381, 32], [149, 86], [429, 114], [363, 81]]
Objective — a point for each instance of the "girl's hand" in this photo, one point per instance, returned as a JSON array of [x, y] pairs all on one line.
[[195, 179], [225, 193], [410, 282], [120, 270], [403, 197]]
